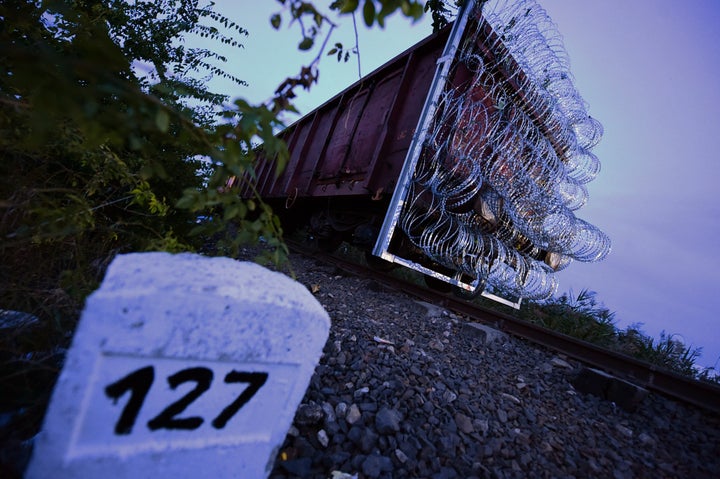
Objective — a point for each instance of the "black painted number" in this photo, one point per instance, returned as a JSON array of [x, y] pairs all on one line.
[[166, 419], [139, 382], [256, 381]]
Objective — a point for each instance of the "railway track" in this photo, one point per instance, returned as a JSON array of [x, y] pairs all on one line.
[[649, 376]]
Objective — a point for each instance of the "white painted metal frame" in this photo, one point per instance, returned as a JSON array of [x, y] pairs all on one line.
[[400, 194]]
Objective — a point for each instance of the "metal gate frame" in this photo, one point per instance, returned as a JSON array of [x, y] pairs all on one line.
[[399, 197]]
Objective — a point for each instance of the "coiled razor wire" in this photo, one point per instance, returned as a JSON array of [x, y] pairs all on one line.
[[506, 160]]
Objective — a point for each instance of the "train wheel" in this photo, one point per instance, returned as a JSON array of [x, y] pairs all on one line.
[[331, 243], [463, 293]]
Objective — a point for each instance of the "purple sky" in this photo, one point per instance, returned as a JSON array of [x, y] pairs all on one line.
[[648, 70]]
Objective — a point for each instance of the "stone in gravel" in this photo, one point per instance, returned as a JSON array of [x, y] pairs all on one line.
[[335, 431], [625, 431], [521, 437], [622, 474], [387, 420], [341, 410], [375, 464], [561, 363], [445, 473], [353, 414], [357, 461], [502, 415], [432, 310], [361, 392], [387, 347], [449, 443], [483, 425], [329, 412], [410, 446], [449, 396], [530, 415], [303, 447], [437, 345], [593, 465], [646, 440], [309, 415], [368, 440], [355, 435], [368, 406], [485, 334], [464, 423], [507, 452], [487, 450], [340, 457], [401, 456], [323, 438], [299, 467]]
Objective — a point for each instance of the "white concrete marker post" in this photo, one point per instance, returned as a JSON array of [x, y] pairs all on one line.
[[182, 366]]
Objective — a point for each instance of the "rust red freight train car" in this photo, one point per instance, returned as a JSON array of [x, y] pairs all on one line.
[[463, 158], [352, 148]]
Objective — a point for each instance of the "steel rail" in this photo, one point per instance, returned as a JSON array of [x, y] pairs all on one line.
[[699, 393]]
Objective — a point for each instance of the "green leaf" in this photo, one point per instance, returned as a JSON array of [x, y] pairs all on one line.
[[162, 120], [415, 12], [306, 44], [369, 12], [275, 21], [349, 6], [235, 209], [188, 201], [135, 142]]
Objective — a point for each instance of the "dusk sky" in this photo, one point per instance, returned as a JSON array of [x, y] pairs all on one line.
[[648, 70]]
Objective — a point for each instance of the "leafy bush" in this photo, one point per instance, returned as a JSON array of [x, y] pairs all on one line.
[[109, 143]]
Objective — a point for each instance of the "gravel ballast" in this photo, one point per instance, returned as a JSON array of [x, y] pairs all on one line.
[[407, 389]]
